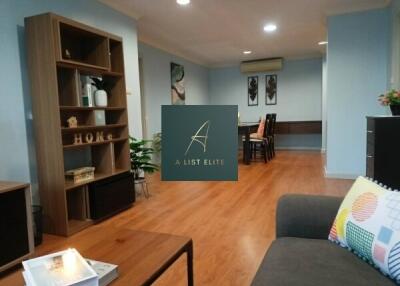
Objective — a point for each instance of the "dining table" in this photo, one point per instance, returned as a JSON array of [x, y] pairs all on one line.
[[245, 129]]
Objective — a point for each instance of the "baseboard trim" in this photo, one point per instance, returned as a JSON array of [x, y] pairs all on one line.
[[330, 175], [299, 148]]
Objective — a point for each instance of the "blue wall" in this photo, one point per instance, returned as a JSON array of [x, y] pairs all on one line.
[[17, 155], [157, 83], [299, 97], [357, 65], [357, 68], [394, 56], [324, 87]]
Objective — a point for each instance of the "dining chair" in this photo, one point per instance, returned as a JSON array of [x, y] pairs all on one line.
[[260, 142]]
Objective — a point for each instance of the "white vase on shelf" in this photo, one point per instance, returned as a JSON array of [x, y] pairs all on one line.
[[100, 98]]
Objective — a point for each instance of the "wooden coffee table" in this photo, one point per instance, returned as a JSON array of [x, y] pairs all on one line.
[[141, 256]]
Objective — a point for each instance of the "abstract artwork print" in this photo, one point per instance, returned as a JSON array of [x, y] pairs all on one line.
[[177, 84]]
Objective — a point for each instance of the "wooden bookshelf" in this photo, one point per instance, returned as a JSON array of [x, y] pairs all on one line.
[[60, 53]]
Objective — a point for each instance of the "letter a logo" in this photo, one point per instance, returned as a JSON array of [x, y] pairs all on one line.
[[202, 139]]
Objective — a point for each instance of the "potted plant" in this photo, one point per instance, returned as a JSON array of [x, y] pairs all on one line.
[[391, 98], [141, 157], [100, 95]]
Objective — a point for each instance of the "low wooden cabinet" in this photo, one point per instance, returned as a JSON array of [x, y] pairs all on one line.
[[382, 158], [16, 234]]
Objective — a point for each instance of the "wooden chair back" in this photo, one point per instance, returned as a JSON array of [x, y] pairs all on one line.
[[268, 121], [273, 122]]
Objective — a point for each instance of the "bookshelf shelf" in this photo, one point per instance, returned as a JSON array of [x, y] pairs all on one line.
[[91, 128], [75, 225], [88, 69], [80, 65], [70, 146], [63, 54], [85, 108], [70, 185]]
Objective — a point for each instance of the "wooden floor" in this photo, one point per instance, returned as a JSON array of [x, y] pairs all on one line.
[[231, 223]]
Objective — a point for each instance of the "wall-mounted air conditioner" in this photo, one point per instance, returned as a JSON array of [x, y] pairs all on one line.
[[265, 65]]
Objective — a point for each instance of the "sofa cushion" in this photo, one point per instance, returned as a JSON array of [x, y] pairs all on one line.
[[368, 222], [306, 262]]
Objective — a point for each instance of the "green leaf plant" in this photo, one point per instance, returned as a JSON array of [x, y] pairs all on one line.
[[141, 155]]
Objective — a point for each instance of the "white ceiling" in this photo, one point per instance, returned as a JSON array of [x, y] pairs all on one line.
[[216, 32]]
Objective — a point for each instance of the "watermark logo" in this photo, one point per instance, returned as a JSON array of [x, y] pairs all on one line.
[[201, 139], [199, 143]]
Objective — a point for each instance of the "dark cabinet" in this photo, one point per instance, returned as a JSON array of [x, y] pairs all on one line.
[[111, 195], [16, 235], [383, 142]]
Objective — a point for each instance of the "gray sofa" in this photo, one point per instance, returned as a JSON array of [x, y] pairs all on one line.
[[302, 255]]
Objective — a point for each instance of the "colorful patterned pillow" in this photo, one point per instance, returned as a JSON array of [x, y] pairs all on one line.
[[368, 223]]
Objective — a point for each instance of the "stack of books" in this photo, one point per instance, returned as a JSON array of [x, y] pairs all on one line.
[[106, 272], [67, 268]]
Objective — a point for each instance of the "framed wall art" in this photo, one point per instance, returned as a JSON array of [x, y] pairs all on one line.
[[178, 95], [252, 90], [271, 89]]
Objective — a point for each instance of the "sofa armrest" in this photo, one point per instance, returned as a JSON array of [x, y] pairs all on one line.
[[306, 216]]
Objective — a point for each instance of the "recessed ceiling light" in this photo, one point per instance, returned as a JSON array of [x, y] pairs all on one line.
[[270, 28], [322, 43], [183, 2], [247, 52]]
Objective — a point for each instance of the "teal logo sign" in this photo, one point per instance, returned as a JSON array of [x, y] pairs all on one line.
[[199, 143]]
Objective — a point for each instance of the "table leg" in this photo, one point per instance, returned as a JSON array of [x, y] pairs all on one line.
[[189, 252]]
